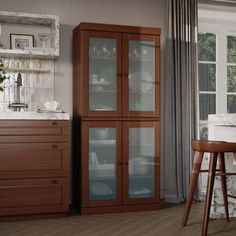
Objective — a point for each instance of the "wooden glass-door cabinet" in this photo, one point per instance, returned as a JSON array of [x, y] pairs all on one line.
[[120, 165], [118, 69], [116, 117]]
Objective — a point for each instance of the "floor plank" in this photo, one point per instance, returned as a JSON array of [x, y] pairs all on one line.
[[164, 222]]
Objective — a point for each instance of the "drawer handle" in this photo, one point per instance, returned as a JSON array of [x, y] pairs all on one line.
[[54, 146], [54, 181], [54, 123]]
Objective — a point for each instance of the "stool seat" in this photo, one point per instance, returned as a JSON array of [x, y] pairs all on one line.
[[213, 146], [216, 150]]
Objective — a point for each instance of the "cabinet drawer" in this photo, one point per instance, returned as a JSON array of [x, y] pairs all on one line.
[[34, 131], [16, 196], [32, 146], [14, 160], [33, 138], [31, 131]]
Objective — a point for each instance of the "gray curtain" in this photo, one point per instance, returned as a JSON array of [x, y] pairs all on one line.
[[179, 105]]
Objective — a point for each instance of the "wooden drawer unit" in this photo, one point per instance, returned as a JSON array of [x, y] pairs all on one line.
[[33, 167], [30, 196]]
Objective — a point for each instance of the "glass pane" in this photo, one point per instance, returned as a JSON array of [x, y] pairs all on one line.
[[102, 159], [102, 74], [204, 131], [231, 103], [207, 104], [141, 75], [141, 162], [206, 47], [231, 78], [231, 49], [207, 77]]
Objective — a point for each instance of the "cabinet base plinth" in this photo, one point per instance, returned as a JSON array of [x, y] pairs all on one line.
[[116, 209], [33, 216]]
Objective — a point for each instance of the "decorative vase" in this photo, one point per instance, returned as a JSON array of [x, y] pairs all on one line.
[[43, 38]]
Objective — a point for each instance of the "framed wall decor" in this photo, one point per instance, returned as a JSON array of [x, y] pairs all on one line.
[[21, 41]]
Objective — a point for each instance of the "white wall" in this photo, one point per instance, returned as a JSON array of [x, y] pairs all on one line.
[[72, 12]]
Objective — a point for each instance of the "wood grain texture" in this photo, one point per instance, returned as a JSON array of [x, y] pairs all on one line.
[[164, 222], [34, 167]]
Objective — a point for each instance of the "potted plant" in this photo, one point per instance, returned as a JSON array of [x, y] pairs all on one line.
[[3, 75]]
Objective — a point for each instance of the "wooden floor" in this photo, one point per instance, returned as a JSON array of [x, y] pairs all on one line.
[[164, 222]]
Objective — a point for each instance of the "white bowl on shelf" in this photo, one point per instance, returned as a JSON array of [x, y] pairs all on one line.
[[138, 166], [102, 133]]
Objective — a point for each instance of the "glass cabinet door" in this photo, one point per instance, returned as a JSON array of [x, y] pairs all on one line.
[[142, 81], [103, 51], [143, 161], [101, 160]]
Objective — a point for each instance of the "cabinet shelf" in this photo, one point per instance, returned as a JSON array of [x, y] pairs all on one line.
[[102, 91], [102, 58], [141, 59], [105, 83], [141, 177], [141, 92], [141, 145], [102, 178], [102, 142]]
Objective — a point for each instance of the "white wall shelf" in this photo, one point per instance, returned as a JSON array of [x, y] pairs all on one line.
[[28, 70], [36, 20]]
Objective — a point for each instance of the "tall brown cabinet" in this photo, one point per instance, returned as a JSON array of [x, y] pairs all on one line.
[[117, 117]]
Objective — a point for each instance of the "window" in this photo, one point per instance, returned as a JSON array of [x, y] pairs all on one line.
[[216, 72], [206, 78]]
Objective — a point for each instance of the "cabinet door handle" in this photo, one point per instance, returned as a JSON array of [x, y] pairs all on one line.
[[54, 181], [54, 123], [123, 163], [54, 146]]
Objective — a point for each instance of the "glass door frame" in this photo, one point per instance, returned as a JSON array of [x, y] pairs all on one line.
[[125, 130], [85, 73], [86, 125], [125, 60]]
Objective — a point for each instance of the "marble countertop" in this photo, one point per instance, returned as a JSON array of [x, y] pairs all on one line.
[[222, 119], [33, 116]]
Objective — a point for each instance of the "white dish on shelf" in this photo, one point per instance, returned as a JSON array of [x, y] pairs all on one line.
[[102, 170], [141, 81], [102, 133], [102, 141], [102, 83], [139, 166], [139, 191], [100, 189], [108, 73]]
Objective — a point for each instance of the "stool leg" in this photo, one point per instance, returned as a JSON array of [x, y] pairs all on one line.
[[210, 185], [223, 183], [193, 184]]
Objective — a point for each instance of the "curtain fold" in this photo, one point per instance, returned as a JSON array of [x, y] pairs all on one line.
[[180, 86]]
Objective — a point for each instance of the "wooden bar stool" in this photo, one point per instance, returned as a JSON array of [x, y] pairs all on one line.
[[216, 150]]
